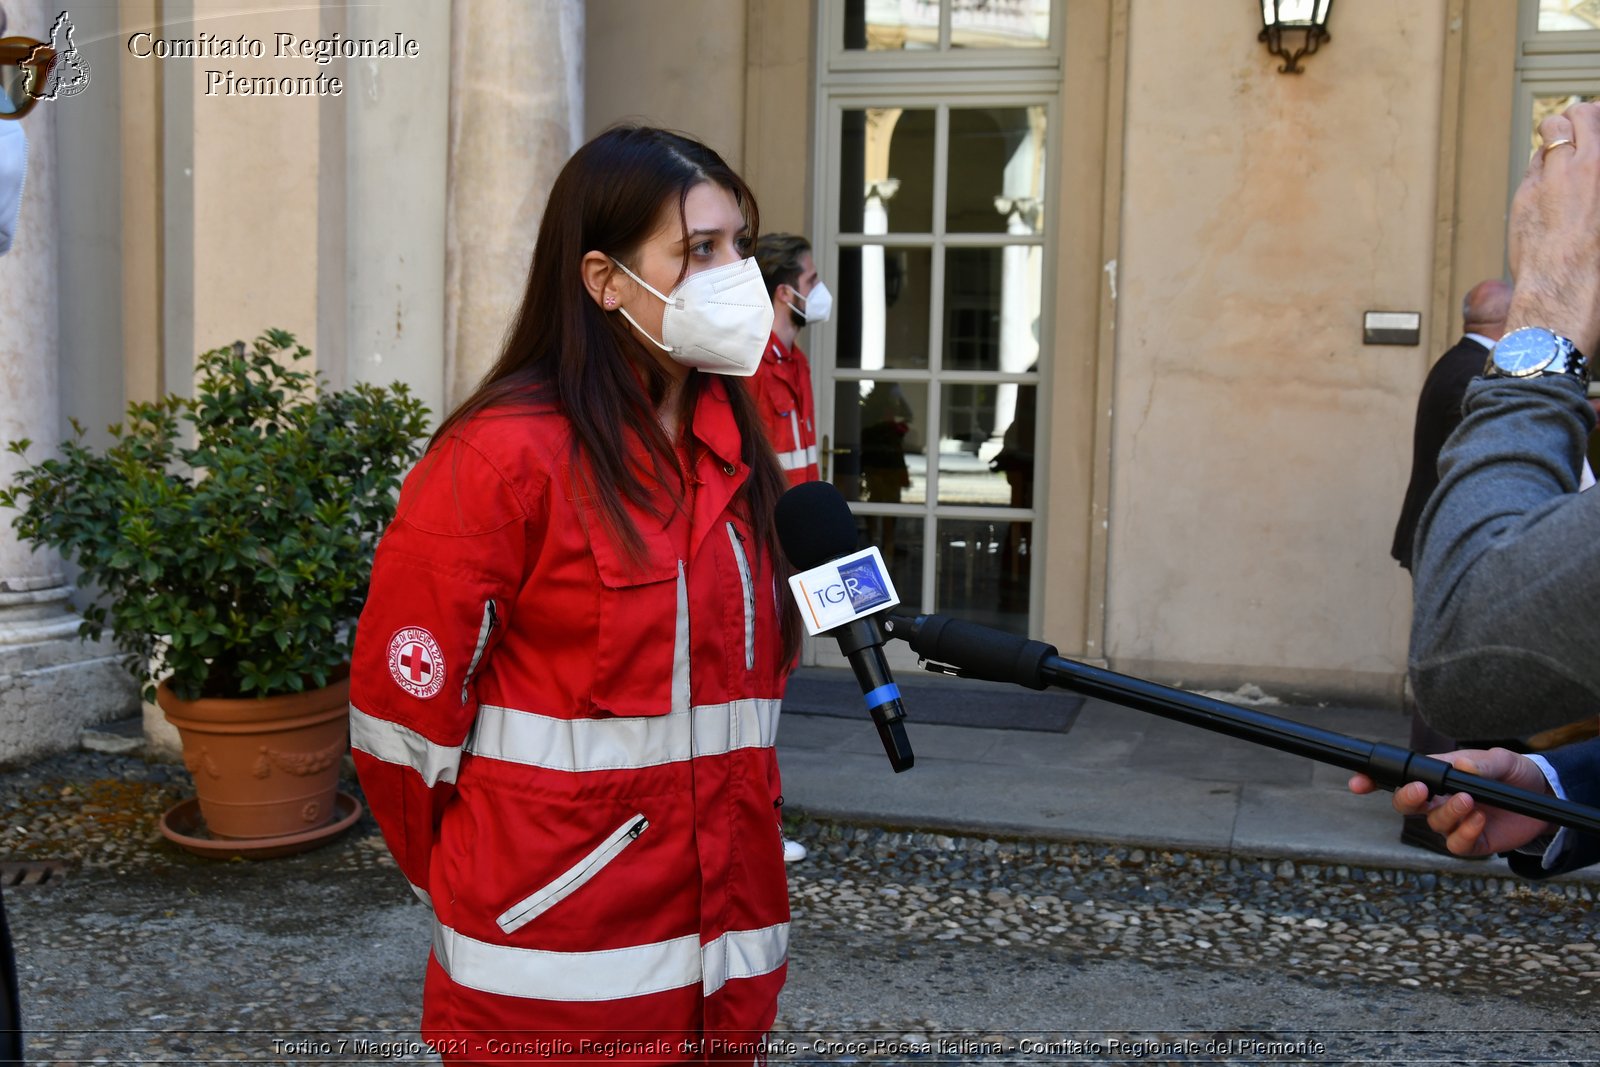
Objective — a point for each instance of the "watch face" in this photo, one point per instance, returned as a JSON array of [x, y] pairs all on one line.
[[1525, 351]]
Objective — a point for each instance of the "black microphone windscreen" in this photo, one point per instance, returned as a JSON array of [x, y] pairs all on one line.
[[815, 525]]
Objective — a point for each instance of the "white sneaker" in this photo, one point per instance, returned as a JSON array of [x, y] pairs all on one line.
[[793, 851]]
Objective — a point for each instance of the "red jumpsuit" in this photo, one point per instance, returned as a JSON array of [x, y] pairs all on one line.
[[571, 758], [782, 391]]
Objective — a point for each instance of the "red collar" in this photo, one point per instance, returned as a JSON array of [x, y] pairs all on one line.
[[713, 422], [777, 353]]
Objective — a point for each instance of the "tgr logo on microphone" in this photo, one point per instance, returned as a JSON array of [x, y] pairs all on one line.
[[864, 583], [843, 590]]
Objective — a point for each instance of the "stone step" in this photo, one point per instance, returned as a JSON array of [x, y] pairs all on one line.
[[114, 738]]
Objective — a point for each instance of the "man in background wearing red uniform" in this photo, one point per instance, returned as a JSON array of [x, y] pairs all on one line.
[[782, 385]]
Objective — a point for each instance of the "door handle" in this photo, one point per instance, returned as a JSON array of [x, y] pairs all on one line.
[[828, 454]]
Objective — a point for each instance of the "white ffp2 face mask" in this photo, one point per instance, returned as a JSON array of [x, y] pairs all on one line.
[[13, 171], [717, 320], [819, 305]]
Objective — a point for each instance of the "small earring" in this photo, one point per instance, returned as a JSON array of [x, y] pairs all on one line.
[[611, 301]]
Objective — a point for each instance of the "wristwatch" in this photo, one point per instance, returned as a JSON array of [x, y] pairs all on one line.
[[1533, 352]]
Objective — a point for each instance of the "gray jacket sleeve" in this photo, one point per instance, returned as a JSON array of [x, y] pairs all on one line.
[[1505, 632]]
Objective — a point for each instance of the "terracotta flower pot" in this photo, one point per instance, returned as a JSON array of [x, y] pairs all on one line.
[[263, 767]]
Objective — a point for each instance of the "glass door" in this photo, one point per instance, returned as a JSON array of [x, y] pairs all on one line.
[[935, 240]]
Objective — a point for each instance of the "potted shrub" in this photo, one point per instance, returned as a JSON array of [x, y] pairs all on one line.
[[231, 534]]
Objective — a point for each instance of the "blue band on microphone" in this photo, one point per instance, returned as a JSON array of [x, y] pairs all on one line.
[[882, 695]]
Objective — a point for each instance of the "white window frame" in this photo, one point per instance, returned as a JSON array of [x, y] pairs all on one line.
[[1537, 48], [834, 57], [1549, 63]]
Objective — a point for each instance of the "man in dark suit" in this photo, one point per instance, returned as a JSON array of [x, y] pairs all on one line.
[[1483, 313]]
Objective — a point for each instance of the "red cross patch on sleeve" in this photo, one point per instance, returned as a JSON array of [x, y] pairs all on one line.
[[416, 662]]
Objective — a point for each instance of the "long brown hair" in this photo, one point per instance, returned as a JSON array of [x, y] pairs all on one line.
[[564, 351]]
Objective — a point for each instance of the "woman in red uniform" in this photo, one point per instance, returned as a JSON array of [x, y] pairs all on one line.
[[567, 676]]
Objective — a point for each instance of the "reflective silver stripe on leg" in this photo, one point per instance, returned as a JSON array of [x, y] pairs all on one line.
[[744, 954], [610, 974], [539, 974]]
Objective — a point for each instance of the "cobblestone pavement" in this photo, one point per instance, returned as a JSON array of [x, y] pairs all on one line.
[[907, 948]]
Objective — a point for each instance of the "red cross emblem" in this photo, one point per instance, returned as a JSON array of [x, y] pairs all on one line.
[[416, 662], [414, 658]]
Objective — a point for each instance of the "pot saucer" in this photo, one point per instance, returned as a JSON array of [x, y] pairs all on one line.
[[183, 826]]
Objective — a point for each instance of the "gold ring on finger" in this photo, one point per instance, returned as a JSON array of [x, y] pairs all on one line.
[[1545, 151]]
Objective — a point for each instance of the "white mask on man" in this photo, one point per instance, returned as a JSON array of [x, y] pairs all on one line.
[[13, 175], [819, 304], [716, 320]]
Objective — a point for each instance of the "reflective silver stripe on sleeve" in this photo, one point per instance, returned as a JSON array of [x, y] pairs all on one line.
[[610, 974], [393, 743], [800, 457], [743, 954], [794, 429], [626, 742]]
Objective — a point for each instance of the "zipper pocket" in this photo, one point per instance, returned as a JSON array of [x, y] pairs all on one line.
[[736, 539], [574, 878], [484, 630]]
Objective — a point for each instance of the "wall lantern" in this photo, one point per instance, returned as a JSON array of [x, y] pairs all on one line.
[[1302, 20]]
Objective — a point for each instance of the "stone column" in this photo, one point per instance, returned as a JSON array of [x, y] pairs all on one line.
[[516, 114], [874, 302], [1020, 205], [391, 217], [1019, 305], [51, 684]]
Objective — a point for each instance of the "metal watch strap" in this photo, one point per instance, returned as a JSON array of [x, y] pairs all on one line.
[[1567, 359]]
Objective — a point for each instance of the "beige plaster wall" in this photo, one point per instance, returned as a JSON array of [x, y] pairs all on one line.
[[139, 141], [681, 66], [1080, 369], [254, 176], [777, 101], [323, 214], [1488, 80], [1259, 450]]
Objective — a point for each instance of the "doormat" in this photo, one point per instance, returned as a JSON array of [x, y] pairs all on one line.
[[937, 701]]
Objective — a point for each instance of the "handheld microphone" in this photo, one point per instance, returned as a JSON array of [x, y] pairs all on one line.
[[815, 527]]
